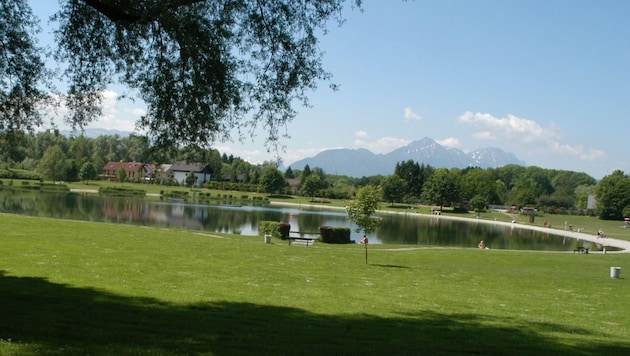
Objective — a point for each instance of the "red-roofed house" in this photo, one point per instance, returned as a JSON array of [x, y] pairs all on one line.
[[133, 170]]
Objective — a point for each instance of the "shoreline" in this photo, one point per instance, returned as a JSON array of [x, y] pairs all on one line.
[[622, 245]]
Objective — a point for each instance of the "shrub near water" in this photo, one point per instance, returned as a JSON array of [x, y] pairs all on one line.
[[274, 228], [121, 192], [334, 235], [19, 174], [37, 186]]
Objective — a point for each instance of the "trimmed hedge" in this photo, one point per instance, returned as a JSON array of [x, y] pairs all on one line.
[[274, 228], [121, 192], [37, 186], [175, 194], [284, 228], [48, 187], [19, 174], [334, 235]]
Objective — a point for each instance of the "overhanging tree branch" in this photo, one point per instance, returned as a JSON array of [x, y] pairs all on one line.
[[122, 11]]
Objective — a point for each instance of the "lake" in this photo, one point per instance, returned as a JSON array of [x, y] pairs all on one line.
[[408, 229]]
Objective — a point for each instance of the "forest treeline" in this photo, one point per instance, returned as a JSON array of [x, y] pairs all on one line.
[[50, 155]]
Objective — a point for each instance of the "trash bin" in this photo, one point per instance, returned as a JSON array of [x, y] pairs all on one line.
[[267, 239], [615, 272]]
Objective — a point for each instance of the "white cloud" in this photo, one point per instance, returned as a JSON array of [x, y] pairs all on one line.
[[451, 142], [466, 117], [382, 145], [484, 135], [510, 127], [258, 156], [513, 131], [116, 114], [411, 115], [590, 155], [361, 133], [593, 155]]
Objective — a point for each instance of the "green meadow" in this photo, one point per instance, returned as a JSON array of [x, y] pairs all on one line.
[[83, 288]]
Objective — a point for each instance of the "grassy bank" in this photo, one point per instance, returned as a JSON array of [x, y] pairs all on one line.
[[70, 287]]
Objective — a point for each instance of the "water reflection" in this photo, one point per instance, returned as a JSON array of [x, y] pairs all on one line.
[[395, 228], [438, 231]]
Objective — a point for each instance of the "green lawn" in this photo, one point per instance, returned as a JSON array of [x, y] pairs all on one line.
[[78, 288]]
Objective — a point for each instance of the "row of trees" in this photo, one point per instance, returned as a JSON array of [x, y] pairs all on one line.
[[507, 185], [57, 157]]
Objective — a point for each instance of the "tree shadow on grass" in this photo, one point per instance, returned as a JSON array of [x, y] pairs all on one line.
[[45, 318], [388, 266]]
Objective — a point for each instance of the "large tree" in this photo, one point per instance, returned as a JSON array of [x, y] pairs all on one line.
[[409, 171], [480, 183], [394, 188], [22, 70], [311, 185], [204, 68], [272, 180], [613, 196], [443, 187], [52, 163], [87, 172]]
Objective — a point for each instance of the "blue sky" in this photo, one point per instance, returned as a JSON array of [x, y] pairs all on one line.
[[546, 80]]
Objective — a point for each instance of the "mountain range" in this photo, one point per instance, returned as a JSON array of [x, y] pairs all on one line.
[[364, 163], [95, 132]]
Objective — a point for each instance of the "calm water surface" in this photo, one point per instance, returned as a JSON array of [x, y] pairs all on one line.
[[407, 229]]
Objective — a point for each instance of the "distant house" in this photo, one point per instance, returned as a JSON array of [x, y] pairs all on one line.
[[180, 171], [133, 170], [163, 173], [294, 185]]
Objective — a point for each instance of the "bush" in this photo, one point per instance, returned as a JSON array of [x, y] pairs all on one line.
[[271, 228], [284, 228], [176, 194], [121, 192], [334, 235], [48, 187], [19, 174]]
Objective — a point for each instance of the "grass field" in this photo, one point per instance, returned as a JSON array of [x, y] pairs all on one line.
[[79, 288]]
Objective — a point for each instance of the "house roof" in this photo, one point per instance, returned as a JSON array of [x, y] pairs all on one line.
[[150, 167], [293, 182], [189, 167], [165, 167], [127, 166]]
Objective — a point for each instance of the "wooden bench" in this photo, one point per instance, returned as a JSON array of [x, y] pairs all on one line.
[[581, 249], [301, 240]]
